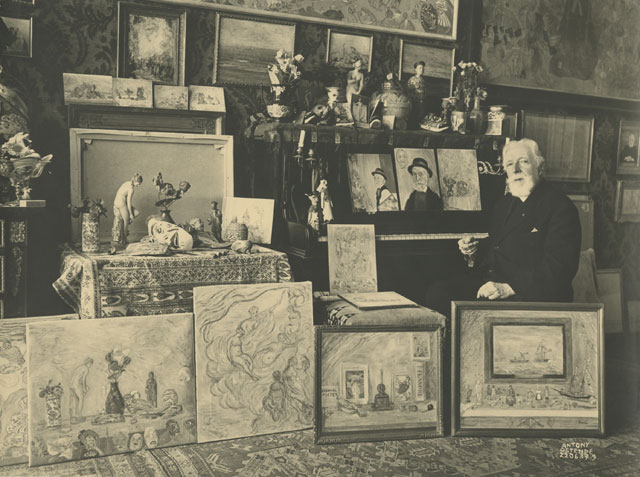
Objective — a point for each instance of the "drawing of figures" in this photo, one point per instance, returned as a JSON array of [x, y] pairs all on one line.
[[274, 401], [237, 357], [152, 390], [295, 376], [89, 442], [12, 355], [78, 389]]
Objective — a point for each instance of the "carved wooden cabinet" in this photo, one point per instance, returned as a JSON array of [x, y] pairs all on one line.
[[25, 288]]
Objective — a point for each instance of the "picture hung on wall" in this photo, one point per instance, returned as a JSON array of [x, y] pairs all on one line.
[[378, 383], [627, 201], [372, 182], [133, 92], [459, 179], [102, 159], [170, 97], [565, 142], [151, 43], [115, 385], [573, 51], [206, 98], [421, 18], [609, 283], [586, 214], [254, 359], [344, 49], [527, 369], [256, 214], [87, 89], [21, 29], [14, 439], [352, 258], [438, 62], [628, 160], [418, 184], [245, 47]]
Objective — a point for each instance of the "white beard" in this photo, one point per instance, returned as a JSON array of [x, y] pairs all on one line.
[[522, 189]]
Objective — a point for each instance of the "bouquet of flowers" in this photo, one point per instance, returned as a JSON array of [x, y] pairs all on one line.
[[95, 208], [167, 193], [466, 81], [285, 71], [20, 163], [51, 390]]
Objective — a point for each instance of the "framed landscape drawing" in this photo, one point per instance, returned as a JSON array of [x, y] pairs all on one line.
[[254, 359], [628, 161], [438, 61], [352, 258], [151, 43], [575, 48], [170, 97], [421, 18], [565, 142], [87, 89], [372, 181], [372, 383], [344, 49], [527, 369], [133, 92], [22, 30], [627, 201], [206, 98], [113, 386], [245, 47]]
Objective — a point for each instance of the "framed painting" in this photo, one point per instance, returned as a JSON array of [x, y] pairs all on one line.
[[103, 159], [628, 161], [459, 179], [256, 214], [370, 386], [418, 183], [87, 89], [372, 181], [420, 18], [527, 369], [246, 46], [254, 359], [13, 392], [133, 92], [351, 251], [21, 29], [116, 385], [170, 97], [206, 98], [344, 49], [565, 142], [585, 208], [609, 283], [627, 201], [573, 51], [438, 62], [151, 43]]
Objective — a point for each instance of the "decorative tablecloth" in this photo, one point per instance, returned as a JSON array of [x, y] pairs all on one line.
[[98, 285]]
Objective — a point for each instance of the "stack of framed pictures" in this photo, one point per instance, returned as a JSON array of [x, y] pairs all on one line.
[[627, 206]]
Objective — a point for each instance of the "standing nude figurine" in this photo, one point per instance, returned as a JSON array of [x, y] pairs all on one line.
[[124, 212], [355, 80]]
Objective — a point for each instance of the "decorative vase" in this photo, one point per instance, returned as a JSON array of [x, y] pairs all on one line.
[[236, 231], [165, 214], [495, 118], [279, 105], [90, 233], [54, 416], [114, 403], [458, 121], [394, 103], [477, 122]]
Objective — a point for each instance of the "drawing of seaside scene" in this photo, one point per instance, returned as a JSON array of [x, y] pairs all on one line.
[[94, 89], [246, 48], [344, 49], [525, 351]]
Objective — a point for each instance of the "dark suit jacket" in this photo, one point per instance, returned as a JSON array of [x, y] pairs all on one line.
[[533, 246], [434, 202]]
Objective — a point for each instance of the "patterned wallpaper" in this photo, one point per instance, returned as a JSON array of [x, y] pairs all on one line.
[[79, 36]]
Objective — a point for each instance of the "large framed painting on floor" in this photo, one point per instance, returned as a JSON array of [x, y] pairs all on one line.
[[527, 369], [103, 159]]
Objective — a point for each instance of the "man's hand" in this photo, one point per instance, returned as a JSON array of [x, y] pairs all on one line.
[[468, 246], [495, 291]]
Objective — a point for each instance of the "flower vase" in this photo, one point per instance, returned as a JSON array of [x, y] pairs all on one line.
[[477, 119], [54, 416], [279, 105], [114, 403], [90, 233]]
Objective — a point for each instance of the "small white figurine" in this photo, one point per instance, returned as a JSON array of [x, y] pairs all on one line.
[[325, 201], [355, 80], [123, 210], [313, 215]]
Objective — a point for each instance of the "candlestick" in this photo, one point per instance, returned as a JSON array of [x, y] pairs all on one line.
[[301, 140]]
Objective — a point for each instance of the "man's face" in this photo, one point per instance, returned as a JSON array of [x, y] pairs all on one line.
[[522, 171], [631, 140], [420, 178], [378, 180], [419, 70]]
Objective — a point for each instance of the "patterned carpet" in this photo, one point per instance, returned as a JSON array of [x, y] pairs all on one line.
[[294, 454]]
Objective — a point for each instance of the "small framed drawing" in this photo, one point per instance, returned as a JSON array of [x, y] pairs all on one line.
[[527, 369], [87, 89], [256, 214], [151, 43], [133, 92], [370, 387], [565, 142], [170, 97], [627, 201], [628, 161], [344, 49], [246, 46], [438, 62], [206, 98], [21, 29]]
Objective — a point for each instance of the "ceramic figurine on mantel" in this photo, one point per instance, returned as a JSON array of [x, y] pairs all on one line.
[[355, 80], [167, 195], [215, 221], [124, 212], [416, 89]]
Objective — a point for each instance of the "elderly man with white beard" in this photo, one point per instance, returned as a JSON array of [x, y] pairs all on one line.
[[533, 247]]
